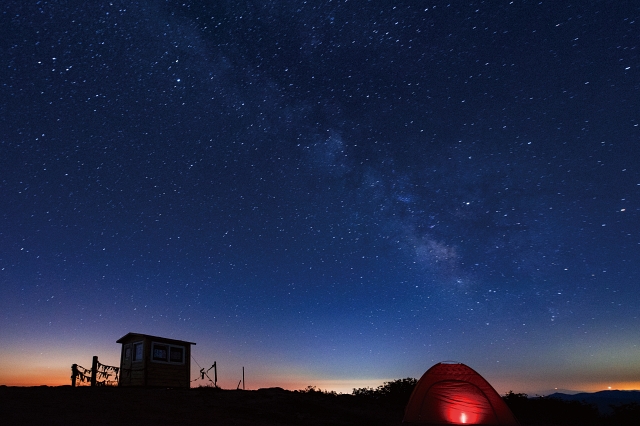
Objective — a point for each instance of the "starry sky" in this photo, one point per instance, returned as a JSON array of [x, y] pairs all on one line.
[[331, 193]]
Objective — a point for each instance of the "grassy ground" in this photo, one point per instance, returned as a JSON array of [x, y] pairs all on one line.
[[115, 406]]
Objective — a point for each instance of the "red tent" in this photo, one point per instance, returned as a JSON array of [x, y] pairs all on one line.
[[454, 394]]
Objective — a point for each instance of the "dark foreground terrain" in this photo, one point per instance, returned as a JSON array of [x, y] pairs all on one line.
[[269, 407], [116, 406]]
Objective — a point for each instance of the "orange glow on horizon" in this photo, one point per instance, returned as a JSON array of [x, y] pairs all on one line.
[[37, 377], [60, 376], [600, 386], [544, 386]]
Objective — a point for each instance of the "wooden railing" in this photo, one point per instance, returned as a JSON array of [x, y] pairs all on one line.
[[98, 371]]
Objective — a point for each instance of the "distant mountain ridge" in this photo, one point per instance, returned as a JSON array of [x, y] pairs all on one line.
[[602, 399]]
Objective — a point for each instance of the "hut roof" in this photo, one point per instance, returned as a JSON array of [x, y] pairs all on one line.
[[129, 336]]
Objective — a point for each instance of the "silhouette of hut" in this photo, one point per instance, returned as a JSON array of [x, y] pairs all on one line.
[[154, 361]]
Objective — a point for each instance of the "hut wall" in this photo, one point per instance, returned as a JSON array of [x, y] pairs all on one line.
[[154, 361], [167, 375]]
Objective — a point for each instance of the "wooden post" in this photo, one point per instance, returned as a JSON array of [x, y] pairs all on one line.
[[94, 370], [215, 375], [74, 374], [242, 377]]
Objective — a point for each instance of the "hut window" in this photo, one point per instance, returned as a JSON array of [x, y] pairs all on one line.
[[127, 352], [162, 352], [177, 354], [137, 351]]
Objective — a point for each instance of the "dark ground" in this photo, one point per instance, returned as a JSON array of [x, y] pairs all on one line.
[[116, 406], [65, 405]]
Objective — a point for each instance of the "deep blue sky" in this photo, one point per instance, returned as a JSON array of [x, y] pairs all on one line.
[[330, 193]]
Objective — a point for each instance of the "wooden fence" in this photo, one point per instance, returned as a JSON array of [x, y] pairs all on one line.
[[98, 375]]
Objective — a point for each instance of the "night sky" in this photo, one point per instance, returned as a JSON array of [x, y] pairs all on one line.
[[328, 193]]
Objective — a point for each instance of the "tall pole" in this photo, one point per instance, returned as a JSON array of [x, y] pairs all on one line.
[[242, 377], [215, 375], [74, 374], [94, 370]]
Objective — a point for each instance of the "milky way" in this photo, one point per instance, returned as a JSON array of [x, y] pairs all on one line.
[[329, 193]]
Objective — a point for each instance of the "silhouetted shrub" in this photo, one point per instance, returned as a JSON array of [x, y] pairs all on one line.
[[625, 414], [396, 392], [364, 392], [552, 411], [315, 390], [519, 404]]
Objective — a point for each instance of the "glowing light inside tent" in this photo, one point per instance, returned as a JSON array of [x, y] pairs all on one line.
[[461, 415], [461, 403]]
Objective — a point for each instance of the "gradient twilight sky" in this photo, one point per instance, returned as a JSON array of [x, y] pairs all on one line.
[[329, 193]]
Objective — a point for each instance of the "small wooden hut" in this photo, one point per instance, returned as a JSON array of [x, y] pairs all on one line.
[[154, 361]]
